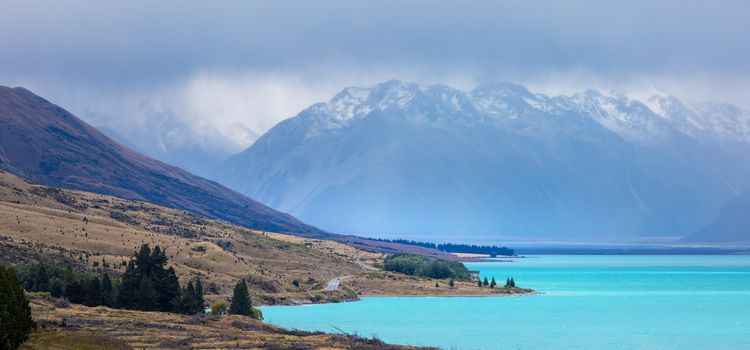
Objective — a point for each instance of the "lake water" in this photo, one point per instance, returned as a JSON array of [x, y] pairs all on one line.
[[591, 302]]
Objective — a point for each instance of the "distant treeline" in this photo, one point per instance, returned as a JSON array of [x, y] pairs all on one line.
[[418, 265], [455, 248]]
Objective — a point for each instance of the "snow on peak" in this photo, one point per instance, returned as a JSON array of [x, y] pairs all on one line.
[[642, 120]]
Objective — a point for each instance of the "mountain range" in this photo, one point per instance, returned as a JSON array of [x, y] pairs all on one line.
[[499, 162], [44, 143]]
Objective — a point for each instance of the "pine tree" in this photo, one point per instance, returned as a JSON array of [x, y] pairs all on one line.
[[493, 283], [486, 282], [169, 290], [149, 296], [15, 314], [128, 294], [199, 301], [107, 290], [56, 287], [189, 303], [41, 279], [93, 293], [240, 300], [75, 292], [146, 284], [479, 283], [451, 283], [512, 282]]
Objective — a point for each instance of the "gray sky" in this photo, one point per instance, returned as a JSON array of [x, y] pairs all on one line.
[[259, 62]]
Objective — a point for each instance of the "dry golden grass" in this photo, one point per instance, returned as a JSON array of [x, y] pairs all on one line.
[[51, 339], [363, 257], [80, 326], [97, 228]]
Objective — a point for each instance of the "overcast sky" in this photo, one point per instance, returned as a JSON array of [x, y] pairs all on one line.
[[260, 62]]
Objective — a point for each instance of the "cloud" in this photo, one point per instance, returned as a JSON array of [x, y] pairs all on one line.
[[259, 62]]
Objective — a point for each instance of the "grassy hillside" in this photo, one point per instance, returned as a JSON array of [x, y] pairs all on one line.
[[81, 327], [88, 231]]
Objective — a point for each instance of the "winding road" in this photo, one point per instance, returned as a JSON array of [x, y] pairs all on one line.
[[336, 282]]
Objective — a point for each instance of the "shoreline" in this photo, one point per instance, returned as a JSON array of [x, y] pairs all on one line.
[[501, 295], [370, 296]]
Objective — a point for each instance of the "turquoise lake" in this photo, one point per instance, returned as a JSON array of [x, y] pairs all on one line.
[[590, 302]]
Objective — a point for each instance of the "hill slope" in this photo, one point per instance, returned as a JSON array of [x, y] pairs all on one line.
[[80, 327], [436, 163], [92, 232], [82, 229], [731, 226], [44, 143]]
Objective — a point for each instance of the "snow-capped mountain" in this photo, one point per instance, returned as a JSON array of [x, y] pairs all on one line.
[[498, 162], [721, 123]]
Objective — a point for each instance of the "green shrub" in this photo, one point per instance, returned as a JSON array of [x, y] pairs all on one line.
[[219, 307]]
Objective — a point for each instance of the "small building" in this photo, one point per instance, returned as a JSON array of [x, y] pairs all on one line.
[[474, 275]]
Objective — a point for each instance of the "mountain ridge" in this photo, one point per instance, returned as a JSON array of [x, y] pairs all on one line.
[[455, 159], [44, 143]]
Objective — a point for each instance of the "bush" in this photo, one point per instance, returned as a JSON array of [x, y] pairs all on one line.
[[256, 314], [62, 303], [15, 314], [219, 307]]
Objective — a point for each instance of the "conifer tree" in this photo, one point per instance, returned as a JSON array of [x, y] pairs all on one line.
[[107, 290], [128, 294], [15, 314], [93, 293], [56, 287], [169, 290], [479, 283], [146, 284], [486, 282], [199, 301], [493, 283], [75, 292], [189, 302], [41, 279], [240, 300], [149, 296]]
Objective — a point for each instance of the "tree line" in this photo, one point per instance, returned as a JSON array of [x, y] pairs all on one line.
[[147, 285], [509, 283], [419, 265], [490, 250]]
